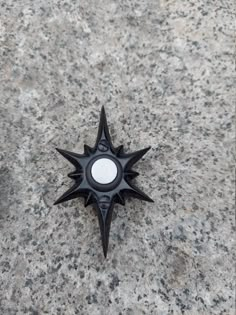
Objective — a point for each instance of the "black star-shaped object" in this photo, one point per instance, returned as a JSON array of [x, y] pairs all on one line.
[[103, 177]]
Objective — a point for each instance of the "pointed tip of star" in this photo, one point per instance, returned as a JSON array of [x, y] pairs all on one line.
[[89, 199], [120, 198], [59, 150], [74, 175], [103, 130], [136, 192], [150, 199], [105, 253], [105, 242], [119, 150], [133, 157], [72, 157], [70, 194], [62, 198], [57, 202], [87, 150], [143, 151], [105, 239], [104, 211], [143, 196], [103, 117], [131, 174], [63, 152], [103, 110]]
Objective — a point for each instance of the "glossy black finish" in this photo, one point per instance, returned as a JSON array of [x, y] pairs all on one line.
[[103, 196]]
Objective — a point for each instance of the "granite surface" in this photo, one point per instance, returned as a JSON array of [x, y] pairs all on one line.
[[165, 72]]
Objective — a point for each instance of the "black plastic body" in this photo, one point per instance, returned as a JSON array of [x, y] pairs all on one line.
[[103, 197]]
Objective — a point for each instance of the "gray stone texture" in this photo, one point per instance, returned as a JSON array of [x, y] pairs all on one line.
[[164, 71]]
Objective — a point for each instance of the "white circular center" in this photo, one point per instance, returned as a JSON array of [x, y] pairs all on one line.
[[104, 171]]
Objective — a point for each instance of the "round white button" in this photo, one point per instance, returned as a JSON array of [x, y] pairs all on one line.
[[104, 171]]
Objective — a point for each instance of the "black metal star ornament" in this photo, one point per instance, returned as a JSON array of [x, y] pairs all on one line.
[[103, 176]]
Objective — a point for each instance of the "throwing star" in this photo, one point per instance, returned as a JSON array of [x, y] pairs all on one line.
[[103, 176]]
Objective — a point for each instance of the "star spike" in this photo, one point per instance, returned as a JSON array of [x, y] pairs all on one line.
[[131, 158], [72, 157], [89, 199], [131, 174], [136, 192], [103, 130], [75, 175], [87, 150], [119, 151], [104, 211], [70, 194], [120, 198]]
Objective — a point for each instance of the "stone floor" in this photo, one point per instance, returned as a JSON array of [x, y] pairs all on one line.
[[164, 71]]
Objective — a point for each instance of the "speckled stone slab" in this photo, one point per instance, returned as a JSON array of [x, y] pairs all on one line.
[[164, 72]]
